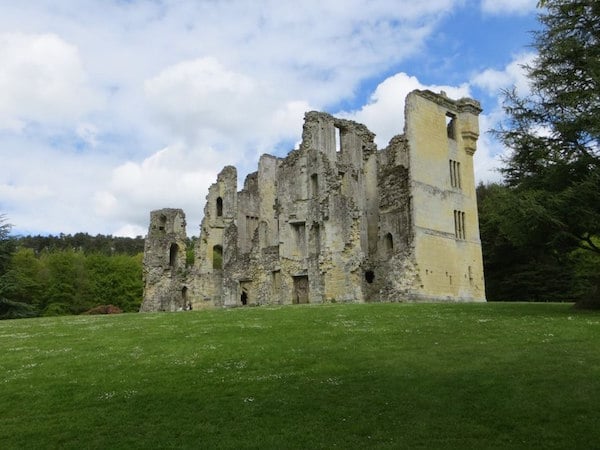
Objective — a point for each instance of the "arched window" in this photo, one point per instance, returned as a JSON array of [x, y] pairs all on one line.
[[389, 244], [217, 257], [184, 299], [173, 253], [219, 207]]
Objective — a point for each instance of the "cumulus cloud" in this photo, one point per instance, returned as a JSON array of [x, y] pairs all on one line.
[[201, 101], [176, 176], [201, 95], [44, 188], [384, 113], [491, 82], [505, 7], [111, 109], [41, 79], [513, 75]]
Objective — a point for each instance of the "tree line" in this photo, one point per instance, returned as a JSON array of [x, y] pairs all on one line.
[[540, 227], [68, 274]]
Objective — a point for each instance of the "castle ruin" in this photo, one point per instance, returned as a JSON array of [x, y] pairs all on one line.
[[336, 220]]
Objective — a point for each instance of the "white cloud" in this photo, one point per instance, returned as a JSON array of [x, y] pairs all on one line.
[[384, 113], [201, 101], [201, 95], [177, 176], [513, 75], [505, 7], [89, 91], [44, 188], [488, 158], [41, 79], [492, 81]]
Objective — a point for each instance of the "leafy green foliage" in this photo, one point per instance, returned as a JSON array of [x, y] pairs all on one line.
[[106, 245], [383, 376], [15, 310], [70, 282], [518, 262], [553, 171], [7, 245]]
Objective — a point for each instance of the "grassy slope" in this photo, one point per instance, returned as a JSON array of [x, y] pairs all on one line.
[[343, 376]]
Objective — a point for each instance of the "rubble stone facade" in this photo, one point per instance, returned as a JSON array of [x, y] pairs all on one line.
[[336, 220]]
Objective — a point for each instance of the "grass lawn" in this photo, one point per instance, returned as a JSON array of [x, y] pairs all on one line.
[[337, 376]]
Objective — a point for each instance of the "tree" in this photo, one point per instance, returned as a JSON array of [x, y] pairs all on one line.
[[7, 244], [9, 309], [517, 262], [554, 133]]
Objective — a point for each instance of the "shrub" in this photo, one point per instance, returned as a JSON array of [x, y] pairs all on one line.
[[104, 309]]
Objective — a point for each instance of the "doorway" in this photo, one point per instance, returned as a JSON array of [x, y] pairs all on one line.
[[300, 294]]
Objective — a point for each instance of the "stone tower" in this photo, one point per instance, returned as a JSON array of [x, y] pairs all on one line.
[[442, 135], [336, 220], [164, 262]]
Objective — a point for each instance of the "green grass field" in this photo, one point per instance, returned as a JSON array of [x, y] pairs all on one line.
[[338, 376]]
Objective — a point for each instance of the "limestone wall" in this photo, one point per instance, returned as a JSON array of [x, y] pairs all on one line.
[[444, 208], [336, 220], [164, 268]]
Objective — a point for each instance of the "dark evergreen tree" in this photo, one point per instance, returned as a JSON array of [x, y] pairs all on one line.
[[554, 133]]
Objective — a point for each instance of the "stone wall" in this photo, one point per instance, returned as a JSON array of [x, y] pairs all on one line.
[[336, 220]]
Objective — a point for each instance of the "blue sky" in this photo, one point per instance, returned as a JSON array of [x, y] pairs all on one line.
[[110, 109]]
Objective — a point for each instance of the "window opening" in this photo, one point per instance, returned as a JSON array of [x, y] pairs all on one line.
[[187, 306], [451, 125], [455, 180], [389, 244], [163, 222], [459, 225], [338, 139], [251, 226], [217, 257], [300, 294], [369, 276], [173, 253], [219, 207]]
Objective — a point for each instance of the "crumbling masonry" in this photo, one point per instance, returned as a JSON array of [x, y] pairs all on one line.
[[336, 220]]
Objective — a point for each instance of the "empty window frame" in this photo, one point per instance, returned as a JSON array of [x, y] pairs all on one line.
[[162, 223], [455, 179], [173, 255], [459, 225], [251, 227], [451, 125], [219, 207], [338, 139], [217, 257], [389, 245]]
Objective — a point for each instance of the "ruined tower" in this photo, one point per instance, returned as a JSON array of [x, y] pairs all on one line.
[[336, 220], [164, 262]]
